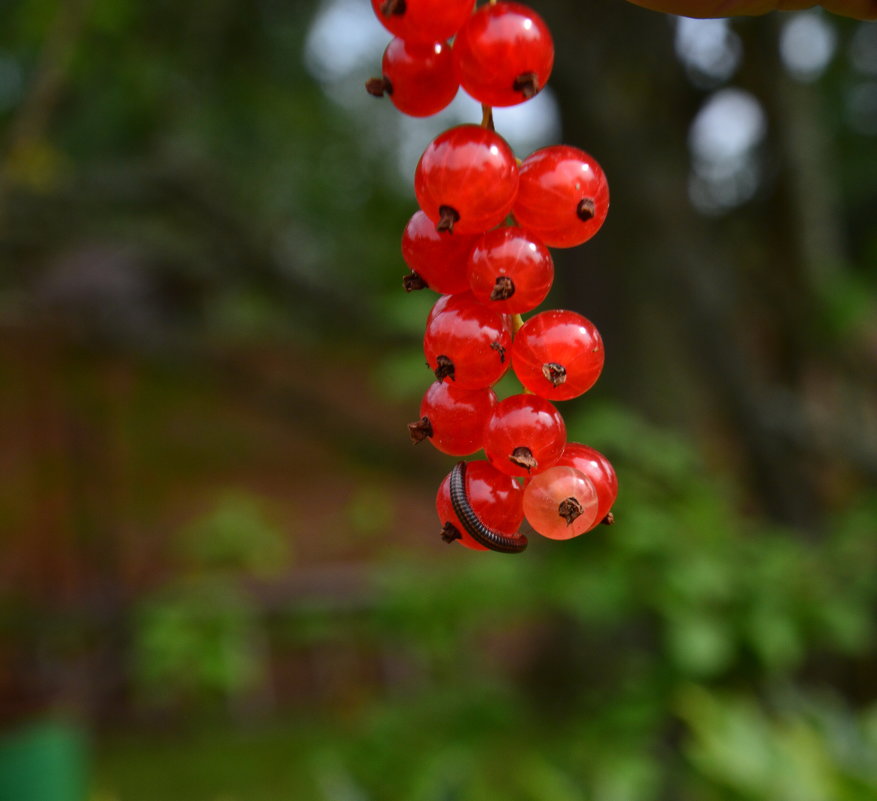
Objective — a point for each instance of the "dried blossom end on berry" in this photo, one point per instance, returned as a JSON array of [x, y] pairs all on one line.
[[420, 430], [609, 520], [586, 209], [414, 282], [570, 509], [527, 83], [378, 87], [444, 368], [554, 373], [503, 289], [450, 533], [447, 217], [523, 457]]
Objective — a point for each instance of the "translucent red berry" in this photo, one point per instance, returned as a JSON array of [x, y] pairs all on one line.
[[420, 78], [599, 469], [441, 259], [558, 354], [495, 497], [453, 418], [524, 435], [466, 180], [561, 503], [466, 343], [563, 196], [423, 20], [505, 54], [510, 270]]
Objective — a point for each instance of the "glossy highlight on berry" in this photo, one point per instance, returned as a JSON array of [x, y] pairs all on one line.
[[439, 258], [505, 54], [510, 270], [453, 418], [563, 196], [420, 78], [561, 503], [599, 469], [524, 435], [466, 180], [466, 343], [423, 20], [558, 354]]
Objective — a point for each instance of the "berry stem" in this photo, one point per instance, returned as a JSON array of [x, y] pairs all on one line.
[[487, 118]]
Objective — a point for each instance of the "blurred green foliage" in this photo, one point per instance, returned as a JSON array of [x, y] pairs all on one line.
[[686, 652], [200, 636]]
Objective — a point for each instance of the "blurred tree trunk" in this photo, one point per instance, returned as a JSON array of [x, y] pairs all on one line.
[[734, 349]]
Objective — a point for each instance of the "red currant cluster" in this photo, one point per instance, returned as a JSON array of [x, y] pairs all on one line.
[[481, 239]]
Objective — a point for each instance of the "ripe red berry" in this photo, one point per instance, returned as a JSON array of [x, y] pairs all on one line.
[[466, 180], [453, 418], [438, 257], [558, 354], [421, 78], [505, 54], [524, 435], [495, 497], [423, 20], [563, 196], [599, 469], [467, 343], [561, 503], [510, 270]]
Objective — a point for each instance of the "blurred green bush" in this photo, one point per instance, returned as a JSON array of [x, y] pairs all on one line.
[[685, 652]]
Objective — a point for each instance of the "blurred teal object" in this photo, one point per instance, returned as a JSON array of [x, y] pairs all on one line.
[[44, 761]]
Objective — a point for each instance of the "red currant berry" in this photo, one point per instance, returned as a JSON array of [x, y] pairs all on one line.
[[599, 469], [505, 54], [494, 497], [420, 78], [563, 196], [561, 503], [423, 20], [466, 180], [439, 258], [453, 418], [510, 270], [558, 354], [467, 343], [442, 303], [524, 435]]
